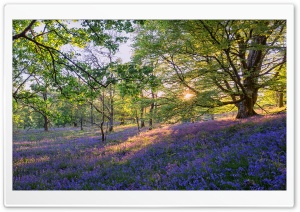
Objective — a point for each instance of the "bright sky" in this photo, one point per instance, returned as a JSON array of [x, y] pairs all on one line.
[[125, 51]]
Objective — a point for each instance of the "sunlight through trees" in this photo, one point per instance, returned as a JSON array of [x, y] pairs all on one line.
[[66, 72]]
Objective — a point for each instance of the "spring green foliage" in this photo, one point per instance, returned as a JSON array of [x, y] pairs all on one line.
[[68, 80], [221, 62], [66, 71]]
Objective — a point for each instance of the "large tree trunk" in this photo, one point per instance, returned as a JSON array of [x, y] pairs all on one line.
[[246, 108], [254, 61]]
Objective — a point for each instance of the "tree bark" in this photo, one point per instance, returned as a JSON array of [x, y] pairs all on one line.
[[111, 105], [246, 108], [142, 118], [46, 123], [254, 61], [122, 121], [142, 112], [111, 124], [102, 132], [23, 33], [81, 122], [46, 120], [102, 122], [158, 119], [151, 112], [150, 124], [137, 121], [92, 115], [279, 96]]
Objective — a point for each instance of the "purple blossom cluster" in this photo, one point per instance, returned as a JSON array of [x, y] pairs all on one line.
[[214, 155]]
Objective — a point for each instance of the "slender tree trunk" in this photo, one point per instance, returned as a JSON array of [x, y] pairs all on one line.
[[46, 123], [151, 112], [150, 124], [142, 112], [122, 121], [81, 122], [111, 105], [155, 110], [142, 118], [102, 122], [279, 96], [46, 120], [102, 132], [107, 126], [111, 124], [92, 115], [137, 120]]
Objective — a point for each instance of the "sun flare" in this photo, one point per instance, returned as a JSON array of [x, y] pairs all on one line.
[[188, 96]]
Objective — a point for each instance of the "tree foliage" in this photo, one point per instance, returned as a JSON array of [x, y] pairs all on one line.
[[221, 62], [66, 72]]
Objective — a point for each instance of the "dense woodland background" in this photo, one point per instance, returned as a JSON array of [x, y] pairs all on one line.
[[66, 72]]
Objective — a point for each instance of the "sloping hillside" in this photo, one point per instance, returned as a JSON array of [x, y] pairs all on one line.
[[213, 155]]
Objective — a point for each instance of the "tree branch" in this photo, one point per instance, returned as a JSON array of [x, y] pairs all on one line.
[[209, 32], [16, 91], [23, 34], [67, 58], [98, 110], [275, 66], [176, 68]]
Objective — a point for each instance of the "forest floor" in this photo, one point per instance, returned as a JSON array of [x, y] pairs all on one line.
[[225, 154]]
